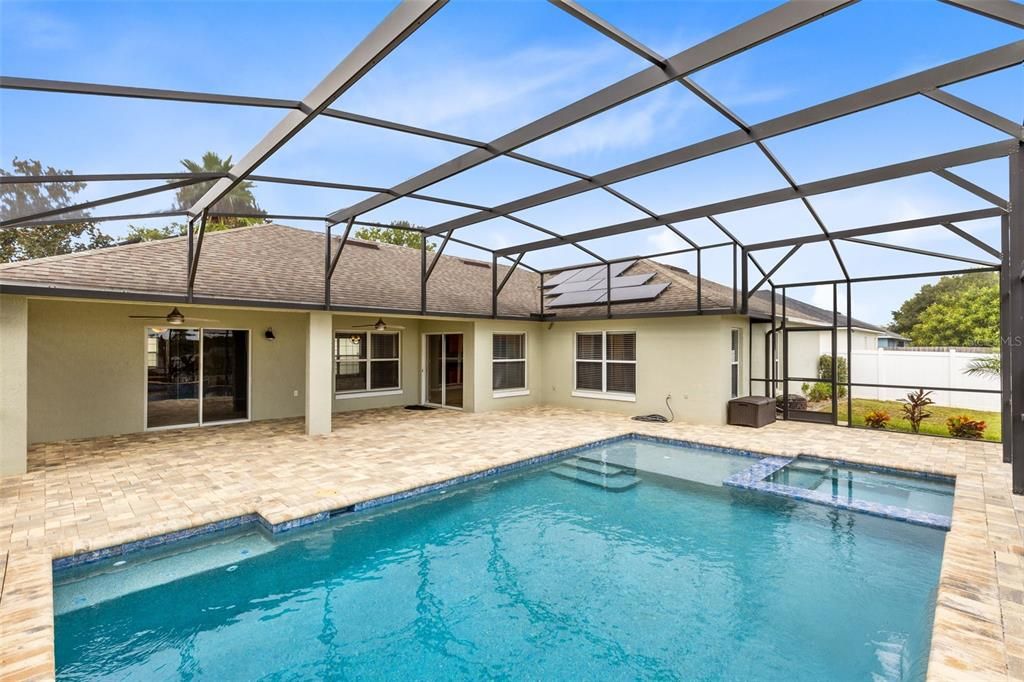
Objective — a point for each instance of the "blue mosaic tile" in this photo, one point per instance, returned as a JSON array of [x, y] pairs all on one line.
[[753, 479]]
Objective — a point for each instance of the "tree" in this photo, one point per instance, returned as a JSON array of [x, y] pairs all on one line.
[[401, 233], [967, 316], [909, 314], [21, 243], [239, 200]]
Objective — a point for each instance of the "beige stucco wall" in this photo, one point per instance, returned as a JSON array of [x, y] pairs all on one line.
[[410, 363], [87, 365], [687, 357], [14, 407]]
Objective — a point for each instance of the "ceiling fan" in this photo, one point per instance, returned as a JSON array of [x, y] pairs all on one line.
[[380, 325], [175, 317]]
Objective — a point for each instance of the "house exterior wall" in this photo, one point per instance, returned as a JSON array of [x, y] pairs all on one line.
[[86, 364], [14, 343], [410, 364], [485, 397], [687, 357]]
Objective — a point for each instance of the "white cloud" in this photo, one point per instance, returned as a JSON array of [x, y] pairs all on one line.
[[452, 89]]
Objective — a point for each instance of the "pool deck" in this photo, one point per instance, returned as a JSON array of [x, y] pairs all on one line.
[[85, 495]]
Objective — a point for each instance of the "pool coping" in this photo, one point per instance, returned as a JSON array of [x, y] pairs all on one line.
[[747, 479], [977, 624]]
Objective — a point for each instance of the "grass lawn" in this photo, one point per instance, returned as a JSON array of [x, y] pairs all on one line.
[[935, 424]]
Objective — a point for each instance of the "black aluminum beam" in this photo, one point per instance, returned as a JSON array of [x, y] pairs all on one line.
[[889, 278], [899, 170], [919, 252], [989, 118], [35, 217], [402, 22], [42, 85], [974, 189], [760, 29], [973, 240], [767, 276], [195, 249], [1006, 355], [898, 226], [892, 91], [606, 29], [1014, 261], [102, 177], [331, 261], [1011, 13]]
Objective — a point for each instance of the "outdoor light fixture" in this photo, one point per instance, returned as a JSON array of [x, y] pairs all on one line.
[[355, 339], [269, 334]]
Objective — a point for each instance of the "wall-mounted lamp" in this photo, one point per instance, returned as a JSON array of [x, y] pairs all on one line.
[[269, 334], [356, 339]]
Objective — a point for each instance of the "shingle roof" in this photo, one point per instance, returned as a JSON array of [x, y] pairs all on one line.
[[284, 265]]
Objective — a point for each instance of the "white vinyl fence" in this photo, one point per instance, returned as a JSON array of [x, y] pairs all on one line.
[[923, 368]]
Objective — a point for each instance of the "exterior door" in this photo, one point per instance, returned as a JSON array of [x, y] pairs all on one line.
[[444, 373], [196, 376]]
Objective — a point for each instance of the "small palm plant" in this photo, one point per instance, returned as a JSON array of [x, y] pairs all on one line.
[[915, 408], [988, 366]]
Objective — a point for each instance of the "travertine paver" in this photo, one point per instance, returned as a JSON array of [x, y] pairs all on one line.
[[90, 494]]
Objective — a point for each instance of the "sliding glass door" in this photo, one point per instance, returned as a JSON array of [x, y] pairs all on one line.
[[225, 375], [196, 376], [443, 370], [172, 377]]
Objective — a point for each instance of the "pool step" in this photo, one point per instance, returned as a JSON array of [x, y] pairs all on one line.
[[616, 483], [597, 466]]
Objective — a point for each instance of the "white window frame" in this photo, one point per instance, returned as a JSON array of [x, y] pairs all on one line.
[[604, 393], [367, 392], [512, 392], [735, 361]]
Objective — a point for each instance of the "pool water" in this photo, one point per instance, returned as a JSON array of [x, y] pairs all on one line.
[[853, 483], [533, 575]]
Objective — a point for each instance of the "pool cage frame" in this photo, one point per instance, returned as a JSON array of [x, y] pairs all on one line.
[[409, 15]]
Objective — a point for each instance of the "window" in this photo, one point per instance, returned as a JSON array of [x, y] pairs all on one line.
[[606, 363], [734, 362], [508, 363], [367, 361]]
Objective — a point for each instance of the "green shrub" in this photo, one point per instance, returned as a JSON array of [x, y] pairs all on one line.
[[818, 392], [842, 373], [914, 408], [877, 419], [965, 427]]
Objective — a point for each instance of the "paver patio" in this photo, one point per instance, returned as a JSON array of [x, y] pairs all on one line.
[[89, 494]]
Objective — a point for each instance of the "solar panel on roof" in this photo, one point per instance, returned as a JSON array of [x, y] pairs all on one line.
[[576, 298], [557, 279], [586, 273], [619, 268], [642, 293], [631, 280], [569, 287]]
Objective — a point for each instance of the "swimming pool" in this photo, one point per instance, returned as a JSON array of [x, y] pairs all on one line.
[[536, 574]]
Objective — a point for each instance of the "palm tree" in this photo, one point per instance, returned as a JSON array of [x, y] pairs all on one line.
[[988, 366], [239, 200]]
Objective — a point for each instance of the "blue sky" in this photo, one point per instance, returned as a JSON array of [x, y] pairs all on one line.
[[480, 69]]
